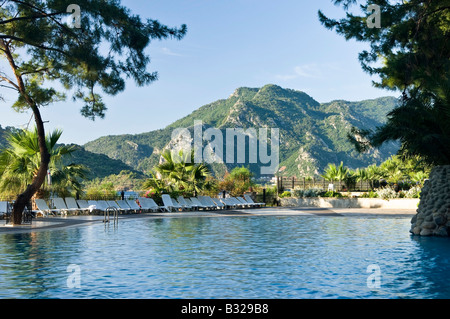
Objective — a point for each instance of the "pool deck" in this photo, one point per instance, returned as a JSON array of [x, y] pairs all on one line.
[[48, 223]]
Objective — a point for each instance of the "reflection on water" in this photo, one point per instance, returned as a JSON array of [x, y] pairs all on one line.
[[237, 257]]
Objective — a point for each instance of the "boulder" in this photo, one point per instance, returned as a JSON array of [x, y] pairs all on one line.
[[433, 213]]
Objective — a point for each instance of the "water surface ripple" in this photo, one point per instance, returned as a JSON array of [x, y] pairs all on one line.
[[227, 257]]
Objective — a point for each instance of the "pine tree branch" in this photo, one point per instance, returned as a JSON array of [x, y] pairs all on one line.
[[42, 15]]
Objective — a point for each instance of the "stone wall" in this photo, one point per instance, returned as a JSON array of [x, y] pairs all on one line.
[[327, 202], [433, 213]]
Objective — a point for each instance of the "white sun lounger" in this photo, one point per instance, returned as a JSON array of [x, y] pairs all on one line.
[[196, 202], [208, 200], [228, 202], [148, 204], [73, 205], [250, 200], [218, 203], [133, 205], [236, 202], [3, 208], [153, 204], [100, 205], [169, 205], [43, 208], [205, 202], [191, 204], [60, 204], [123, 206], [113, 203], [94, 205], [145, 204], [184, 203], [243, 201], [84, 205], [177, 205]]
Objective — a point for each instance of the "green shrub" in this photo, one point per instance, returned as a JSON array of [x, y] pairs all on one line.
[[413, 192], [297, 192], [370, 194], [332, 194], [285, 194], [312, 192], [387, 193]]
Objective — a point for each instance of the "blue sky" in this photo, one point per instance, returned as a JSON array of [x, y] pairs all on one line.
[[229, 44]]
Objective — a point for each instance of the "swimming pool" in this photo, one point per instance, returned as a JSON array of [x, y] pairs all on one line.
[[270, 257]]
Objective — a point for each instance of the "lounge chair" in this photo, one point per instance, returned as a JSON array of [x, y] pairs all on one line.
[[94, 205], [208, 203], [133, 205], [152, 203], [60, 204], [73, 205], [178, 205], [144, 204], [84, 205], [184, 203], [103, 205], [43, 209], [237, 203], [243, 201], [218, 203], [250, 200], [228, 203], [123, 206], [208, 200], [196, 202], [3, 209], [167, 203], [190, 203], [148, 204], [113, 204]]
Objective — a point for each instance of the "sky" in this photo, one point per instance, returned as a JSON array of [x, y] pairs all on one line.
[[229, 44]]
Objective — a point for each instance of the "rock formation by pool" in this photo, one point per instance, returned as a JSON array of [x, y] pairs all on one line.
[[433, 213]]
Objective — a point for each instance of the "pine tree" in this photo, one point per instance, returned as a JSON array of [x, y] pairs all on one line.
[[91, 51], [410, 53]]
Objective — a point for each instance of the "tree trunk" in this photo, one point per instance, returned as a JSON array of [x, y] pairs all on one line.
[[23, 199]]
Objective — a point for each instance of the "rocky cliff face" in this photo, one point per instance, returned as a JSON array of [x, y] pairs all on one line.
[[311, 134], [433, 213]]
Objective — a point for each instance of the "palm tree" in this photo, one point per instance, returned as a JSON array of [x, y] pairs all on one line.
[[393, 170], [330, 172], [20, 161], [180, 172], [373, 173], [66, 179], [335, 173], [361, 176], [418, 177], [197, 177]]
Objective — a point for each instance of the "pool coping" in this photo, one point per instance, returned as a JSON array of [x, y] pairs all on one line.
[[50, 223]]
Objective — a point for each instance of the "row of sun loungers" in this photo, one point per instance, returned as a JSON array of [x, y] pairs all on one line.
[[64, 206], [207, 203]]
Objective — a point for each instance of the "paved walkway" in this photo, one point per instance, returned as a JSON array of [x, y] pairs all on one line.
[[47, 223]]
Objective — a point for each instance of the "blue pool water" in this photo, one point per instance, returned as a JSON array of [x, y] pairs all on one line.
[[227, 257]]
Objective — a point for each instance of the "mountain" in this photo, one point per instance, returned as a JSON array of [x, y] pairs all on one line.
[[3, 133], [311, 134], [99, 165]]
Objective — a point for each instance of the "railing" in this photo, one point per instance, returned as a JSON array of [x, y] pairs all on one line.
[[115, 213], [27, 216], [284, 183]]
